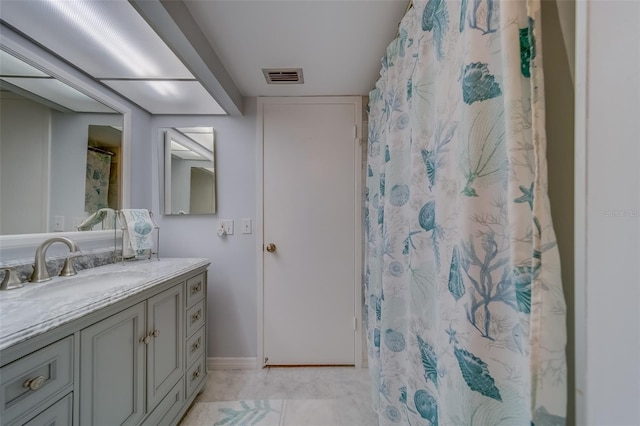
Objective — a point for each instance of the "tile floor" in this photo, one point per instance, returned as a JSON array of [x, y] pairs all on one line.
[[322, 396]]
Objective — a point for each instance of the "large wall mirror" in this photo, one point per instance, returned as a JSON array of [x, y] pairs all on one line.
[[190, 175], [62, 152]]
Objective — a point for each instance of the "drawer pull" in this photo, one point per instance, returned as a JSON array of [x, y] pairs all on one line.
[[195, 317], [195, 374], [155, 333], [34, 383], [196, 345], [196, 288]]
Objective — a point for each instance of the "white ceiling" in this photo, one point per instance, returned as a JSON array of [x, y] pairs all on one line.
[[221, 46], [337, 43]]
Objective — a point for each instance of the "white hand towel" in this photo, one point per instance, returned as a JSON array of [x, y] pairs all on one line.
[[137, 236]]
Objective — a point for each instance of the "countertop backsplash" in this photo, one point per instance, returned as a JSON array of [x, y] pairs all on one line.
[[86, 260]]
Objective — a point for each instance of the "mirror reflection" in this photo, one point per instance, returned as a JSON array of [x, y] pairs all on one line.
[[49, 137], [190, 178]]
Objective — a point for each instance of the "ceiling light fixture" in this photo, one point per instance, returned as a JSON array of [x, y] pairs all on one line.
[[80, 13]]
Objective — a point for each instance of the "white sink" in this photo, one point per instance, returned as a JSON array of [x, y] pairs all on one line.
[[79, 286]]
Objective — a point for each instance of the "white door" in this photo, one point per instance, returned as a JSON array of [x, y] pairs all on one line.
[[311, 215]]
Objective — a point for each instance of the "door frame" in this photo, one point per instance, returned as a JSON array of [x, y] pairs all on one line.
[[259, 225]]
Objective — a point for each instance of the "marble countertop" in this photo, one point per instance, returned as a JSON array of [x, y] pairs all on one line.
[[39, 307]]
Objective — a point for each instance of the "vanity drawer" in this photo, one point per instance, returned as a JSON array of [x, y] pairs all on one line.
[[36, 379], [195, 289], [59, 414], [195, 375], [195, 318], [195, 346]]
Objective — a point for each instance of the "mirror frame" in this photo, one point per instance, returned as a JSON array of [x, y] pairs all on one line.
[[24, 49]]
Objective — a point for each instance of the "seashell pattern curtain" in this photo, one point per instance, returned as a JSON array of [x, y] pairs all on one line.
[[464, 305], [97, 181]]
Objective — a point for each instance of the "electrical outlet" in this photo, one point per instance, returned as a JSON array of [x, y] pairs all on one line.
[[58, 223], [228, 226], [246, 226]]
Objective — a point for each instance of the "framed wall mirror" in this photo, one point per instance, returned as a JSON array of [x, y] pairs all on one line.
[[51, 118], [189, 171], [60, 153]]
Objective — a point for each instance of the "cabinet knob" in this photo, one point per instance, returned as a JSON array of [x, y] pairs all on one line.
[[145, 339], [155, 333], [196, 345], [196, 288], [195, 317], [34, 383], [195, 374]]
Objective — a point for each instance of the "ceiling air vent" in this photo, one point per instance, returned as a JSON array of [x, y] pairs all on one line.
[[283, 75]]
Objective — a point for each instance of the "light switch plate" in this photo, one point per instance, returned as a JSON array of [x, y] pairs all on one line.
[[246, 226], [228, 226]]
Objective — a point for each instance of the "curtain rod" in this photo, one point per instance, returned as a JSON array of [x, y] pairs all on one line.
[[100, 150]]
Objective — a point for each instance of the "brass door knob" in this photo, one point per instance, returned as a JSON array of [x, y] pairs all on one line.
[[271, 248]]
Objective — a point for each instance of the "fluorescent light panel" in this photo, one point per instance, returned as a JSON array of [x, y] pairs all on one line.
[[189, 97], [12, 66], [59, 93], [111, 42]]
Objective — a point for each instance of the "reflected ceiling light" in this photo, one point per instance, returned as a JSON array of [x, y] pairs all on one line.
[[80, 13], [186, 148], [175, 146], [165, 88]]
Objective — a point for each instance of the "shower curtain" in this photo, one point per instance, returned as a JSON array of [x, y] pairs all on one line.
[[463, 299], [96, 191]]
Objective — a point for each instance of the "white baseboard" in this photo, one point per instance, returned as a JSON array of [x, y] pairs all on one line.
[[232, 363]]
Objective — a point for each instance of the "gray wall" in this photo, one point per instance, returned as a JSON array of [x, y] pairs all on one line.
[[24, 159], [232, 315]]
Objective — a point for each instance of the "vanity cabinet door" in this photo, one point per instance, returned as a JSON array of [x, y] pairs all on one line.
[[112, 369], [165, 348]]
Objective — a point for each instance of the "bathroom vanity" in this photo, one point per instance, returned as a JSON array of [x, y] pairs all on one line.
[[114, 345]]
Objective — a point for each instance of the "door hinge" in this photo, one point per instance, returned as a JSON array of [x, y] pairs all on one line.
[[355, 324], [355, 131]]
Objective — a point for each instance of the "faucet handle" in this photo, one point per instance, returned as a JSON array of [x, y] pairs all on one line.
[[67, 268], [11, 279]]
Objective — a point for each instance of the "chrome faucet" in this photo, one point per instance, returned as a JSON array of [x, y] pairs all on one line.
[[40, 272]]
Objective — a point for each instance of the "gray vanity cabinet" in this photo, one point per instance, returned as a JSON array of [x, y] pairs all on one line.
[[138, 361], [142, 344]]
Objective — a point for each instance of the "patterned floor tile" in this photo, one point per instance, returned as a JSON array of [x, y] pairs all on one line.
[[235, 413]]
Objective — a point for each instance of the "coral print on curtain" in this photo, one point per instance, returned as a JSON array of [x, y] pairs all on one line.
[[464, 305]]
